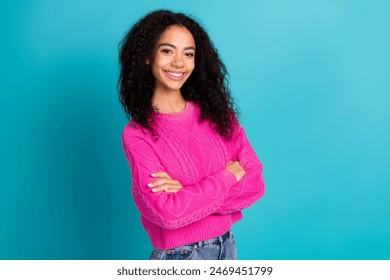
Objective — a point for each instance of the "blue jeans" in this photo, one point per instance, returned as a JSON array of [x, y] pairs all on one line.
[[220, 248]]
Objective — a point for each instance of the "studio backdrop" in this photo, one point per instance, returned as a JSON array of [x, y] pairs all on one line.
[[311, 79]]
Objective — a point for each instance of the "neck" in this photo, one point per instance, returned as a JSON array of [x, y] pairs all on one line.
[[168, 102]]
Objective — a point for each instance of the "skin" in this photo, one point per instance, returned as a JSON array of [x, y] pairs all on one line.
[[173, 62]]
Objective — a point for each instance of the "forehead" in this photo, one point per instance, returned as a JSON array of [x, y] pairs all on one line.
[[178, 36]]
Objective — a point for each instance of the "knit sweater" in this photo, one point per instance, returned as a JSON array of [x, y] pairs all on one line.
[[193, 153]]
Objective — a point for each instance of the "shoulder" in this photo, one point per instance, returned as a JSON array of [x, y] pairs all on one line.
[[132, 129], [238, 132], [134, 133]]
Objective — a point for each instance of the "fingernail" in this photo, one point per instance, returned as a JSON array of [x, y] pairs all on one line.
[[154, 190], [150, 184], [153, 174]]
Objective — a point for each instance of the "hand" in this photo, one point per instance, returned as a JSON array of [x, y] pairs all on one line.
[[235, 168], [164, 183]]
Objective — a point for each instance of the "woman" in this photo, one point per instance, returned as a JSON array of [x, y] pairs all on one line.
[[193, 169]]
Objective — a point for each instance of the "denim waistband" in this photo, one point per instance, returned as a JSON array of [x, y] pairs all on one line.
[[197, 245], [215, 240]]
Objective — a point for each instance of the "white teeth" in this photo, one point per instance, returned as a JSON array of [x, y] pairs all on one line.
[[175, 74]]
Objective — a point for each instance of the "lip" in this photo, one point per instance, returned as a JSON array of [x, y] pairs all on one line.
[[175, 75]]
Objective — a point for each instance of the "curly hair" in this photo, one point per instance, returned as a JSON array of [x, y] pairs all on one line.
[[207, 86]]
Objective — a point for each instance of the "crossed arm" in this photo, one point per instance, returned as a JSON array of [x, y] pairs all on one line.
[[167, 184], [163, 199]]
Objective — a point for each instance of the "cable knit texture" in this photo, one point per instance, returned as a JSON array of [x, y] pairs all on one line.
[[191, 152]]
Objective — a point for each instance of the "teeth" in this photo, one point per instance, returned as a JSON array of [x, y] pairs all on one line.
[[175, 74]]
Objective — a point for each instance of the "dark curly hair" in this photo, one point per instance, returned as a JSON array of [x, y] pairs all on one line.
[[207, 86]]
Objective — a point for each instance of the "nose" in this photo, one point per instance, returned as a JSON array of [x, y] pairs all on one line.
[[178, 61]]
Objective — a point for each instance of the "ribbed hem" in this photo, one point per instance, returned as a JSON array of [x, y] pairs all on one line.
[[236, 216], [209, 227]]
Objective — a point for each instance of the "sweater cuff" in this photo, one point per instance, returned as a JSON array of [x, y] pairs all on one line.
[[227, 178]]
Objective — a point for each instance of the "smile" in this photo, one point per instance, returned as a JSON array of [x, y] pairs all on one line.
[[174, 75]]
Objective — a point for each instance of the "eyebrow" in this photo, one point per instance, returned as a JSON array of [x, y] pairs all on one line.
[[173, 46]]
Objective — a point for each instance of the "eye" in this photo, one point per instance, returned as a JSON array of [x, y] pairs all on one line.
[[167, 51], [190, 54]]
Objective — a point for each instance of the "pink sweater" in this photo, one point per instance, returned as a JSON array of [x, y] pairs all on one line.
[[191, 152]]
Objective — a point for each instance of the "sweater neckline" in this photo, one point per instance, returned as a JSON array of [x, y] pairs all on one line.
[[187, 111]]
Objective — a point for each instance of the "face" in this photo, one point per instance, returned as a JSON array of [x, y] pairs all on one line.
[[174, 59]]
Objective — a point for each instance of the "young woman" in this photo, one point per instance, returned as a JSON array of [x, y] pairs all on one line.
[[193, 169]]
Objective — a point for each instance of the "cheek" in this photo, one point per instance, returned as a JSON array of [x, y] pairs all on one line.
[[191, 66], [154, 71], [157, 68], [160, 62]]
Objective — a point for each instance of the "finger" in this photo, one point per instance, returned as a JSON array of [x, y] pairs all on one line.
[[173, 188], [167, 188], [160, 174], [159, 182]]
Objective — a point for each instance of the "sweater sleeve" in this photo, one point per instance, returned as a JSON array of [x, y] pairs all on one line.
[[172, 210], [251, 187]]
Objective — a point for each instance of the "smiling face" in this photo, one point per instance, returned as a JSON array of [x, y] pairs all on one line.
[[174, 59]]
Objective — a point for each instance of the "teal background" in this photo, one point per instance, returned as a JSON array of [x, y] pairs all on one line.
[[311, 79]]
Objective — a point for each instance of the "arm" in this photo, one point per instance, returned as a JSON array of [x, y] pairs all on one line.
[[251, 187], [172, 210]]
